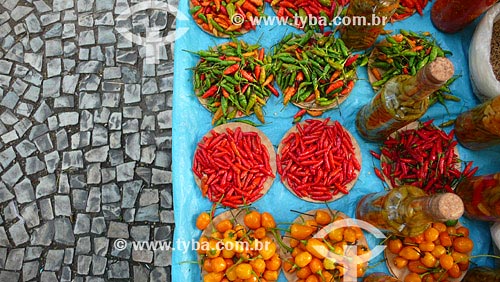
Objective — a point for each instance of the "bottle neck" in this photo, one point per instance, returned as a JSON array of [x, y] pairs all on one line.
[[441, 207], [419, 87]]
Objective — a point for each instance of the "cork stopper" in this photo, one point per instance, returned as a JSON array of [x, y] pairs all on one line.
[[440, 70], [446, 206]]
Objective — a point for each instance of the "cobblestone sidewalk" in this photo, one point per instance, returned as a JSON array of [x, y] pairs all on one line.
[[85, 142]]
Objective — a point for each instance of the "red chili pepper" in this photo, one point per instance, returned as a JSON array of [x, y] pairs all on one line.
[[230, 172], [375, 155], [300, 113], [273, 90], [251, 8], [351, 60], [414, 162], [247, 75], [210, 92], [335, 85], [231, 69], [348, 89], [308, 160]]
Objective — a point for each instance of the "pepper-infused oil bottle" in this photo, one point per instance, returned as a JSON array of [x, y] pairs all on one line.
[[481, 197], [402, 100], [479, 128], [408, 210], [376, 13]]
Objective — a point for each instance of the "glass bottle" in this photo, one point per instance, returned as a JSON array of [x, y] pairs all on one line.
[[380, 277], [482, 274], [481, 197], [479, 128], [408, 210], [375, 14], [453, 15], [402, 100]]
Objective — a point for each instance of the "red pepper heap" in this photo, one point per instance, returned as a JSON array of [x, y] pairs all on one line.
[[424, 157], [232, 167], [318, 161]]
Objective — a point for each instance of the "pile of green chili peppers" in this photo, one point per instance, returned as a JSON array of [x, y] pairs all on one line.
[[406, 53], [233, 80], [314, 69]]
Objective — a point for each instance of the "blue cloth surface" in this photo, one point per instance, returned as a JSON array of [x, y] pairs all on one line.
[[191, 121]]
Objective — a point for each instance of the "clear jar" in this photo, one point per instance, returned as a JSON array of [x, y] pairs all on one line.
[[376, 14], [402, 100], [481, 197], [479, 128], [453, 15], [408, 210]]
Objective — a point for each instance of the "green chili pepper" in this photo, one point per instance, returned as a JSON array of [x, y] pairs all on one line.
[[434, 53], [223, 104], [391, 40], [306, 38], [422, 63], [242, 100], [408, 53], [230, 80], [364, 61], [381, 82], [248, 122], [231, 10], [343, 48], [217, 26], [288, 59], [447, 123], [203, 17], [451, 97], [292, 78], [382, 65], [326, 103], [195, 9], [251, 103], [440, 53], [404, 32], [335, 65]]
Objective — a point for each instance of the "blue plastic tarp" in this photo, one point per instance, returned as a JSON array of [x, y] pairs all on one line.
[[191, 121]]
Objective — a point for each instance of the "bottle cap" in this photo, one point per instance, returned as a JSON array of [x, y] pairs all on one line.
[[446, 206], [440, 70]]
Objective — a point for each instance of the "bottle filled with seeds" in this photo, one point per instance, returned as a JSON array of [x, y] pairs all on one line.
[[408, 210], [402, 100], [479, 128], [373, 15]]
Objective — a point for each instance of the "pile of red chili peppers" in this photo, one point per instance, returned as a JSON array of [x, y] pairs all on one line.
[[318, 160], [232, 166], [324, 11], [423, 157], [226, 18]]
